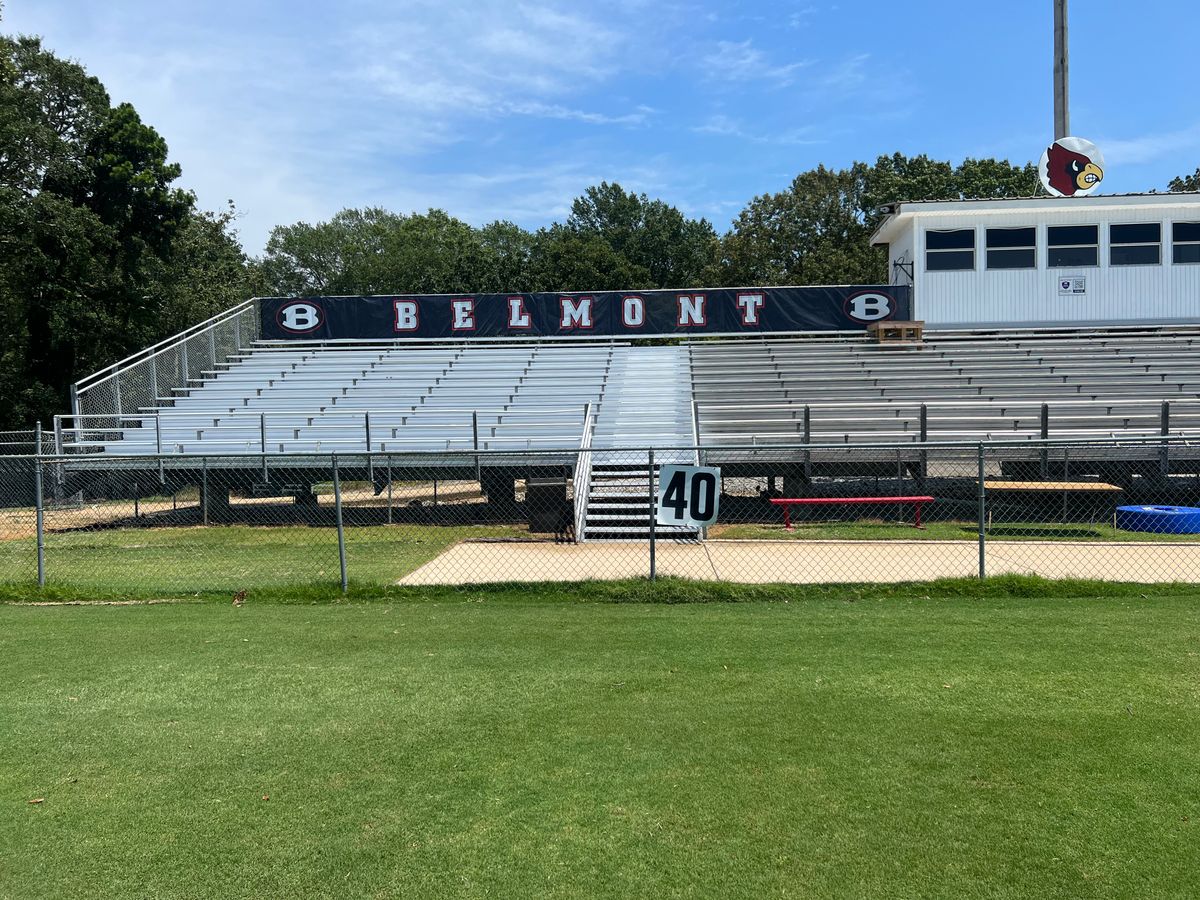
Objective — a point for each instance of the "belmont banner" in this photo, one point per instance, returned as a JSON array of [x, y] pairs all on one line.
[[586, 315]]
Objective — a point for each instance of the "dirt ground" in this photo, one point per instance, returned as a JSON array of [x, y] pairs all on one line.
[[809, 562]]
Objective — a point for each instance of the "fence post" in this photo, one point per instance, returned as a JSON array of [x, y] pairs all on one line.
[[204, 490], [262, 438], [923, 464], [41, 522], [370, 458], [653, 517], [337, 512], [475, 437], [807, 442], [1164, 458], [162, 478], [389, 489], [982, 513], [1066, 477], [1044, 431]]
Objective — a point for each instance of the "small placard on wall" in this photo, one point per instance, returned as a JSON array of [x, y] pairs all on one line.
[[1072, 284]]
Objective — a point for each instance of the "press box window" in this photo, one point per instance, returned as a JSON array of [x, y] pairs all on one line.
[[1185, 239], [1135, 245], [1072, 245], [950, 251], [1012, 248]]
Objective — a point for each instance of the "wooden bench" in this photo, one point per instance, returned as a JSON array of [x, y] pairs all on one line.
[[1066, 488], [788, 502]]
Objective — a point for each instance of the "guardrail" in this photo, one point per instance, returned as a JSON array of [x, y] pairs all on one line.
[[139, 380], [1156, 415], [582, 479], [84, 434]]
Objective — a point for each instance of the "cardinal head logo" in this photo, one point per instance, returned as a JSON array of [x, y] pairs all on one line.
[[1071, 167]]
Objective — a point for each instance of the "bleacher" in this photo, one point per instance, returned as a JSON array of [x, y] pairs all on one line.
[[269, 398], [346, 399], [953, 387]]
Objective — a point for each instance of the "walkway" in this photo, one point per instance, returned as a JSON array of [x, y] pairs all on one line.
[[808, 562]]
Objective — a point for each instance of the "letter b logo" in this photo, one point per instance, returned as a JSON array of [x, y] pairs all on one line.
[[870, 306], [299, 318]]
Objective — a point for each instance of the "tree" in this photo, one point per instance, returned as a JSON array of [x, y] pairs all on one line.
[[506, 258], [649, 234], [564, 259], [206, 273], [812, 233], [1186, 182], [818, 231], [100, 254]]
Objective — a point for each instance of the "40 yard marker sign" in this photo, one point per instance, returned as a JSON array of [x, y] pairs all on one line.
[[688, 495]]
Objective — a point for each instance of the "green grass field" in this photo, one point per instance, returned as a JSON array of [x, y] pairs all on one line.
[[1013, 738], [179, 561], [140, 561]]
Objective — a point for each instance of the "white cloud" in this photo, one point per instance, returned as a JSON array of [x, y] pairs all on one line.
[[722, 125], [742, 61], [1149, 148]]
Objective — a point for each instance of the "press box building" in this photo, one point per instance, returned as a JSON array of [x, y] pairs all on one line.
[[1045, 261]]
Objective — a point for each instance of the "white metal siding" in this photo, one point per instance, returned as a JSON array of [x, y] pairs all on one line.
[[1164, 292]]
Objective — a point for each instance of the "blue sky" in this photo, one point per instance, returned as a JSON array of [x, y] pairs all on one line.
[[510, 109]]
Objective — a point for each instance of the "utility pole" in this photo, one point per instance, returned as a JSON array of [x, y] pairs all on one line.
[[1062, 87]]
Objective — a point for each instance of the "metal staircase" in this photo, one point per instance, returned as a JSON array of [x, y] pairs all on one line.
[[618, 506], [647, 403]]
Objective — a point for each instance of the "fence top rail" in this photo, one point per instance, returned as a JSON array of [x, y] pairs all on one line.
[[1149, 406], [1156, 442], [178, 413], [84, 384]]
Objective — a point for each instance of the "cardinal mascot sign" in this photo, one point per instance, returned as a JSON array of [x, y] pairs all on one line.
[[626, 314], [1071, 167]]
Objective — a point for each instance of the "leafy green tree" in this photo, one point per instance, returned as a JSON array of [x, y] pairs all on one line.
[[564, 259], [88, 214], [812, 233], [1186, 182], [650, 234], [207, 272], [818, 231], [506, 258], [373, 251]]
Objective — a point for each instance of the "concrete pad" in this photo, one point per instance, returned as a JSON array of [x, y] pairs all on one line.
[[808, 562]]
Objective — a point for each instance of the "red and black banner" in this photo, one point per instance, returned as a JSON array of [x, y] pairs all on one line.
[[775, 310]]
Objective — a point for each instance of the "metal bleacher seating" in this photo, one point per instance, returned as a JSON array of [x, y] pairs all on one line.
[[390, 399], [953, 387]]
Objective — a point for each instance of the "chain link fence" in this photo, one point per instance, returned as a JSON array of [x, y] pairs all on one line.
[[1114, 510]]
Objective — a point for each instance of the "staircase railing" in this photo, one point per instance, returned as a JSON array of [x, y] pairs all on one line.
[[582, 479], [138, 381]]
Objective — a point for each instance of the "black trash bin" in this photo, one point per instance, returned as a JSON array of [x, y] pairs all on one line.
[[549, 509]]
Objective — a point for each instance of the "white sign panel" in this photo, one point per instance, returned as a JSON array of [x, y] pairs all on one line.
[[688, 495], [1072, 284]]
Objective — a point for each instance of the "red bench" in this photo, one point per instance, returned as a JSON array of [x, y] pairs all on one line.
[[788, 502]]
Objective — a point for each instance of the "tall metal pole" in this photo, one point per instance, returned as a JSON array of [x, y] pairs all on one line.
[[1062, 87], [41, 521], [653, 516], [341, 531], [981, 516]]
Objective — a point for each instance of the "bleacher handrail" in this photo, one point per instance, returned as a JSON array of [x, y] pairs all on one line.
[[581, 480], [104, 374]]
